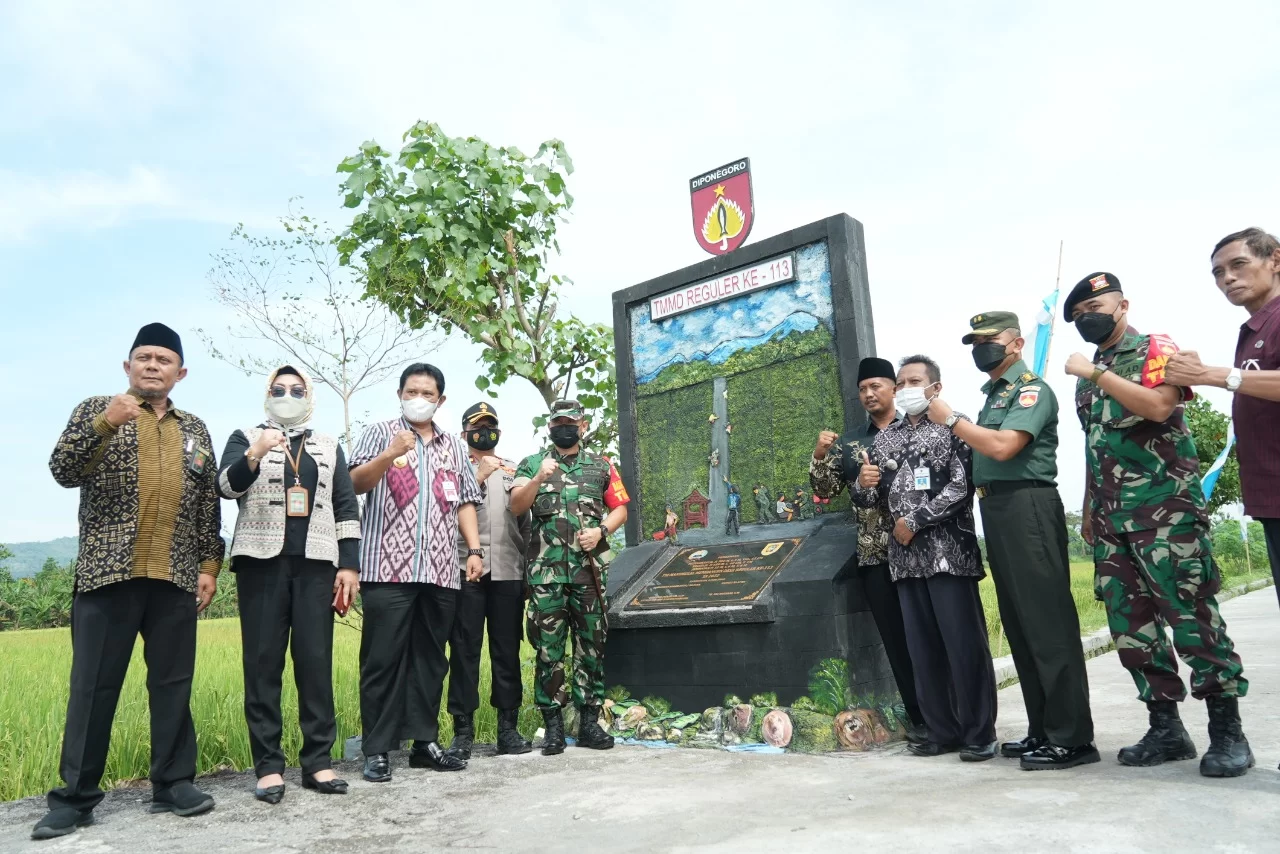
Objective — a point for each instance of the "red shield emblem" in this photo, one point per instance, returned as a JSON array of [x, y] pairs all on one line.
[[722, 209]]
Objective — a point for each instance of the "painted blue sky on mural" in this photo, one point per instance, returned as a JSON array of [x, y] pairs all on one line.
[[714, 333]]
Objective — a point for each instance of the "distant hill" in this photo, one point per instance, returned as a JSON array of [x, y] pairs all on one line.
[[29, 557]]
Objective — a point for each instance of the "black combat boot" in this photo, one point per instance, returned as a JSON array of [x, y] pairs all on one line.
[[464, 735], [553, 741], [589, 732], [1166, 741], [510, 741], [1228, 754]]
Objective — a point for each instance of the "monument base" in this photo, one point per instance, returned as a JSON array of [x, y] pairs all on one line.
[[753, 616]]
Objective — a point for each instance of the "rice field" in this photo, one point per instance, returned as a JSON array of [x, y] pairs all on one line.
[[34, 670], [35, 665]]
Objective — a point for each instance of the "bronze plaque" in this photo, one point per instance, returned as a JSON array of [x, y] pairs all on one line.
[[706, 576]]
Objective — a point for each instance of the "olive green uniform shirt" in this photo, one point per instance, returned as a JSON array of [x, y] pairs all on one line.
[[1020, 400]]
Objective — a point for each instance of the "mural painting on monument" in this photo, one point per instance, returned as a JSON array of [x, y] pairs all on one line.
[[732, 382]]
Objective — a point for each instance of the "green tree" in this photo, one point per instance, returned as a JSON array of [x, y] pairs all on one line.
[[1209, 429], [458, 233], [291, 294], [1077, 548], [1234, 556]]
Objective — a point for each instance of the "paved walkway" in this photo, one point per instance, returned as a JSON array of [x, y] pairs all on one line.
[[638, 799]]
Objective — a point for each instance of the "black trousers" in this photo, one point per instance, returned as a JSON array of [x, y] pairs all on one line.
[[287, 603], [501, 604], [1271, 528], [402, 661], [104, 625], [947, 636], [1027, 548], [886, 610]]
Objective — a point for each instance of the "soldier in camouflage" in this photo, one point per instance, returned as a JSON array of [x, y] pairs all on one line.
[[1144, 515], [578, 500]]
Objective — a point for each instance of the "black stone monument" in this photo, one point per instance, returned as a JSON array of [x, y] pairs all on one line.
[[727, 370]]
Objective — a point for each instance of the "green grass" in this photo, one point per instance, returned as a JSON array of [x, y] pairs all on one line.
[[1093, 615], [34, 670], [35, 665]]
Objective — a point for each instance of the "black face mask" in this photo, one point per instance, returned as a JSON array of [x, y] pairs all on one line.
[[1095, 326], [565, 435], [484, 439], [989, 355]]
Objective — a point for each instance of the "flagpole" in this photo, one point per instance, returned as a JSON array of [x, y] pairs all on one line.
[[1053, 318]]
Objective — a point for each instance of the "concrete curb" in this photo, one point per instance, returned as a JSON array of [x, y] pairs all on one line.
[[1100, 641]]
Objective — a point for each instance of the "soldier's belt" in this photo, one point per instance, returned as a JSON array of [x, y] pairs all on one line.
[[1004, 487]]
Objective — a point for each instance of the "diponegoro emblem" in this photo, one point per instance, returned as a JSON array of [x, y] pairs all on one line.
[[722, 207]]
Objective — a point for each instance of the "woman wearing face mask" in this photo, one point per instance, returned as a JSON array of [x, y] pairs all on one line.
[[296, 558]]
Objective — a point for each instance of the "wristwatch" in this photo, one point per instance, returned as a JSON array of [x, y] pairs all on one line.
[[1098, 371], [475, 552], [1234, 378], [951, 420]]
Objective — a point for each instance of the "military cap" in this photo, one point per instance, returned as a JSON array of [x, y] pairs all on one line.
[[478, 411], [1090, 286], [991, 323], [567, 408]]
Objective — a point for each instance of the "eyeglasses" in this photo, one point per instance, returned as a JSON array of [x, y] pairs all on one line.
[[293, 391]]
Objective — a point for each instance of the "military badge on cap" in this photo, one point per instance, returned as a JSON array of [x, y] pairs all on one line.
[[1098, 282]]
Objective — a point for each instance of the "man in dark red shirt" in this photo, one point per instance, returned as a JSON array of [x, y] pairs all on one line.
[[1246, 268]]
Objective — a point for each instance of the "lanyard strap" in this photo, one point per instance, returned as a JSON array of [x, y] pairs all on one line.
[[295, 461]]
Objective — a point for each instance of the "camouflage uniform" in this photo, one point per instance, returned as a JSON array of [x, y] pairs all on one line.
[[1152, 554], [562, 592]]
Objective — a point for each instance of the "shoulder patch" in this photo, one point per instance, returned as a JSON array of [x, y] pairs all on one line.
[[1159, 349], [1027, 397]]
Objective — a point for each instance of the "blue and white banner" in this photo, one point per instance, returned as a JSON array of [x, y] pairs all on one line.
[[1211, 476], [1044, 330]]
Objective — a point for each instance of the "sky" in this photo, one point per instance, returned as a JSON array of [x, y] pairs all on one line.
[[969, 139]]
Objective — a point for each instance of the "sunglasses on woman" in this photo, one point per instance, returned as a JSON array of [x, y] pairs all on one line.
[[293, 391]]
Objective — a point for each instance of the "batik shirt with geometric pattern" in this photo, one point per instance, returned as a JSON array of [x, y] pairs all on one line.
[[410, 527], [841, 465], [1143, 474]]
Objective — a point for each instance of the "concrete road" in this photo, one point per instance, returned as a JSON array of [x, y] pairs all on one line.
[[639, 799]]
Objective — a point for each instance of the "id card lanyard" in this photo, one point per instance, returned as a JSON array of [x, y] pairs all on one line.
[[296, 499]]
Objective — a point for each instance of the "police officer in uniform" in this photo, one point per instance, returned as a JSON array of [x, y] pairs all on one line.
[[578, 500], [1146, 519], [1015, 444]]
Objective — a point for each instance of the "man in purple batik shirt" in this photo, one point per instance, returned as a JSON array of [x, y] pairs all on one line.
[[421, 493]]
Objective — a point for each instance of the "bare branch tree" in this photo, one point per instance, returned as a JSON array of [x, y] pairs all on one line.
[[291, 294]]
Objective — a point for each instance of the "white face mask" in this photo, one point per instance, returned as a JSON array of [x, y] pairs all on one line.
[[417, 410], [912, 399], [287, 411]]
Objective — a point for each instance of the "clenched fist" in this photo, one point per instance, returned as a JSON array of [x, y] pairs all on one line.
[[487, 466], [548, 467], [268, 440], [403, 442], [1078, 365], [122, 409], [869, 475], [825, 440]]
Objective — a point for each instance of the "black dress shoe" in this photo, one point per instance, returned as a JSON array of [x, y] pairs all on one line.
[[377, 768], [931, 748], [1051, 757], [917, 734], [324, 787], [60, 822], [270, 795], [182, 799], [1015, 749], [978, 752], [431, 756]]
